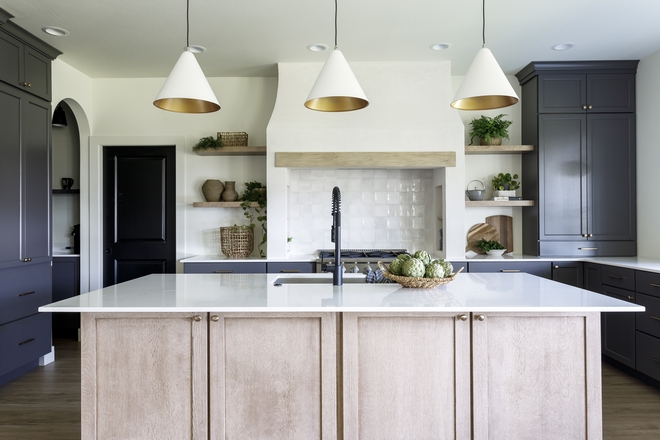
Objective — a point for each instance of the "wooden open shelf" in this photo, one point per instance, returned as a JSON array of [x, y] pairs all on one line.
[[500, 203], [221, 204], [233, 151], [421, 160], [498, 149]]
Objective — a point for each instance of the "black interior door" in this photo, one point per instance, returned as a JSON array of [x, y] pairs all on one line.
[[139, 212]]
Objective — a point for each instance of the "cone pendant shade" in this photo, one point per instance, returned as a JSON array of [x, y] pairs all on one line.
[[485, 86], [186, 89], [336, 89]]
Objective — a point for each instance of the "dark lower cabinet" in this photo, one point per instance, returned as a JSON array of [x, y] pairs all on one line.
[[618, 329], [568, 272], [648, 355], [592, 277], [291, 267], [539, 268], [66, 284], [223, 267]]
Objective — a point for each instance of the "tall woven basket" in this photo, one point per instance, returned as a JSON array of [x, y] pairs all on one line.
[[236, 242]]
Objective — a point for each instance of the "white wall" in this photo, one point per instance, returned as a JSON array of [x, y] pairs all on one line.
[[648, 156]]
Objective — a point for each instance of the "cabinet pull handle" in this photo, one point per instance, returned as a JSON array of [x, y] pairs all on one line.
[[27, 260], [462, 317], [655, 317], [655, 360], [26, 293], [655, 285], [630, 297], [26, 84], [197, 318], [480, 317], [215, 318], [27, 341], [616, 277], [587, 249], [223, 271], [510, 270], [290, 271]]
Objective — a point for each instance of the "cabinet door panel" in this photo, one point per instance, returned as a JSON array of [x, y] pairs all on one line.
[[11, 54], [273, 376], [648, 355], [24, 341], [649, 320], [563, 176], [568, 272], [520, 385], [406, 376], [144, 376], [592, 277], [618, 329], [562, 93], [23, 290], [10, 178], [36, 181], [611, 93], [37, 74], [612, 178]]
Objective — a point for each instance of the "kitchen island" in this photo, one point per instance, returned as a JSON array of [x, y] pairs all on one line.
[[271, 356]]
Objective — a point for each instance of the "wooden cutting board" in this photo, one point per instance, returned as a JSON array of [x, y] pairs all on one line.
[[479, 231], [504, 225]]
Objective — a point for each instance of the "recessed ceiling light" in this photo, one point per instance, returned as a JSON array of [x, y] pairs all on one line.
[[563, 46], [196, 48], [440, 46], [317, 47], [55, 31]]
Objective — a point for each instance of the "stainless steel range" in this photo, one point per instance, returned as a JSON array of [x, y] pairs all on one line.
[[356, 260]]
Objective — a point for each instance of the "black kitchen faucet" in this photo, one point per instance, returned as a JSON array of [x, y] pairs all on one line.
[[335, 236]]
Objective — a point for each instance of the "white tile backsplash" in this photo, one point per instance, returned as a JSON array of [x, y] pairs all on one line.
[[380, 209]]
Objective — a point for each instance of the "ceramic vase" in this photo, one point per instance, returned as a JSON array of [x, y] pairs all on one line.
[[229, 194], [212, 189]]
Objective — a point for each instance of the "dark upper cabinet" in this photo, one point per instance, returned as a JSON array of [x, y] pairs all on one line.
[[24, 67], [25, 178], [580, 209]]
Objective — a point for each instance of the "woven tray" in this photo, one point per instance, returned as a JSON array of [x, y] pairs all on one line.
[[417, 282], [233, 139], [236, 242]]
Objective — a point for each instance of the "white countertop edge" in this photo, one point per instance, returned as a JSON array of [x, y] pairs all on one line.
[[210, 309]]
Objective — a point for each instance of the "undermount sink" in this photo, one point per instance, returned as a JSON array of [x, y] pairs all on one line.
[[316, 280]]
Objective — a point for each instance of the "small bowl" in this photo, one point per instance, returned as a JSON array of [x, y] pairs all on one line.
[[496, 252]]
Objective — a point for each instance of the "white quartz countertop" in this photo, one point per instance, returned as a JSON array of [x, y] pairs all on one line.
[[483, 292]]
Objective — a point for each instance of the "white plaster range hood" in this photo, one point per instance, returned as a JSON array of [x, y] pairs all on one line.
[[409, 125]]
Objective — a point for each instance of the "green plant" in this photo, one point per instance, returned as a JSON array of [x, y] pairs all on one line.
[[255, 192], [206, 143], [487, 128], [486, 245], [505, 181]]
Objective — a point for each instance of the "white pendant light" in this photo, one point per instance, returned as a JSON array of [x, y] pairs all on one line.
[[336, 89], [485, 86], [186, 89]]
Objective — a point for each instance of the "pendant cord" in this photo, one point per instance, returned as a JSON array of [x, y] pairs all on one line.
[[483, 25], [187, 24], [336, 24]]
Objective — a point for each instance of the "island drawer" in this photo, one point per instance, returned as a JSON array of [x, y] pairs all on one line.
[[541, 268], [618, 277], [648, 321], [24, 290], [648, 355], [291, 267], [648, 282], [24, 340], [242, 267]]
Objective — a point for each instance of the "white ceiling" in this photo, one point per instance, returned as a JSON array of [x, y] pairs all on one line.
[[144, 38]]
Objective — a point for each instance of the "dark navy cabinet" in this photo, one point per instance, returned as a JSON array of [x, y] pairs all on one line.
[[66, 284], [580, 115], [568, 272]]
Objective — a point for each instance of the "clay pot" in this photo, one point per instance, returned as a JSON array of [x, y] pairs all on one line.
[[229, 194], [493, 141], [212, 189]]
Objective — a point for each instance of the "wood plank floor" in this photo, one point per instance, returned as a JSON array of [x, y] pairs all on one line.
[[45, 403]]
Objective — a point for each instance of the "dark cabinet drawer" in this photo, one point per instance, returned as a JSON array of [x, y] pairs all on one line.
[[23, 341], [291, 267], [618, 277], [541, 268], [648, 283], [648, 355], [648, 321], [24, 290], [242, 267]]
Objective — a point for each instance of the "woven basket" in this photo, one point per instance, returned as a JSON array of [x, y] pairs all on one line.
[[417, 283], [236, 242], [233, 139]]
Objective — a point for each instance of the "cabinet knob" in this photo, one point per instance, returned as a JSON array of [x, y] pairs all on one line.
[[26, 84], [462, 317], [215, 318], [630, 297], [27, 260], [556, 267], [584, 235], [590, 235], [590, 107], [584, 107], [480, 317], [197, 318]]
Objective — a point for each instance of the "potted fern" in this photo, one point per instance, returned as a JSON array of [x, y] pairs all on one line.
[[491, 131]]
